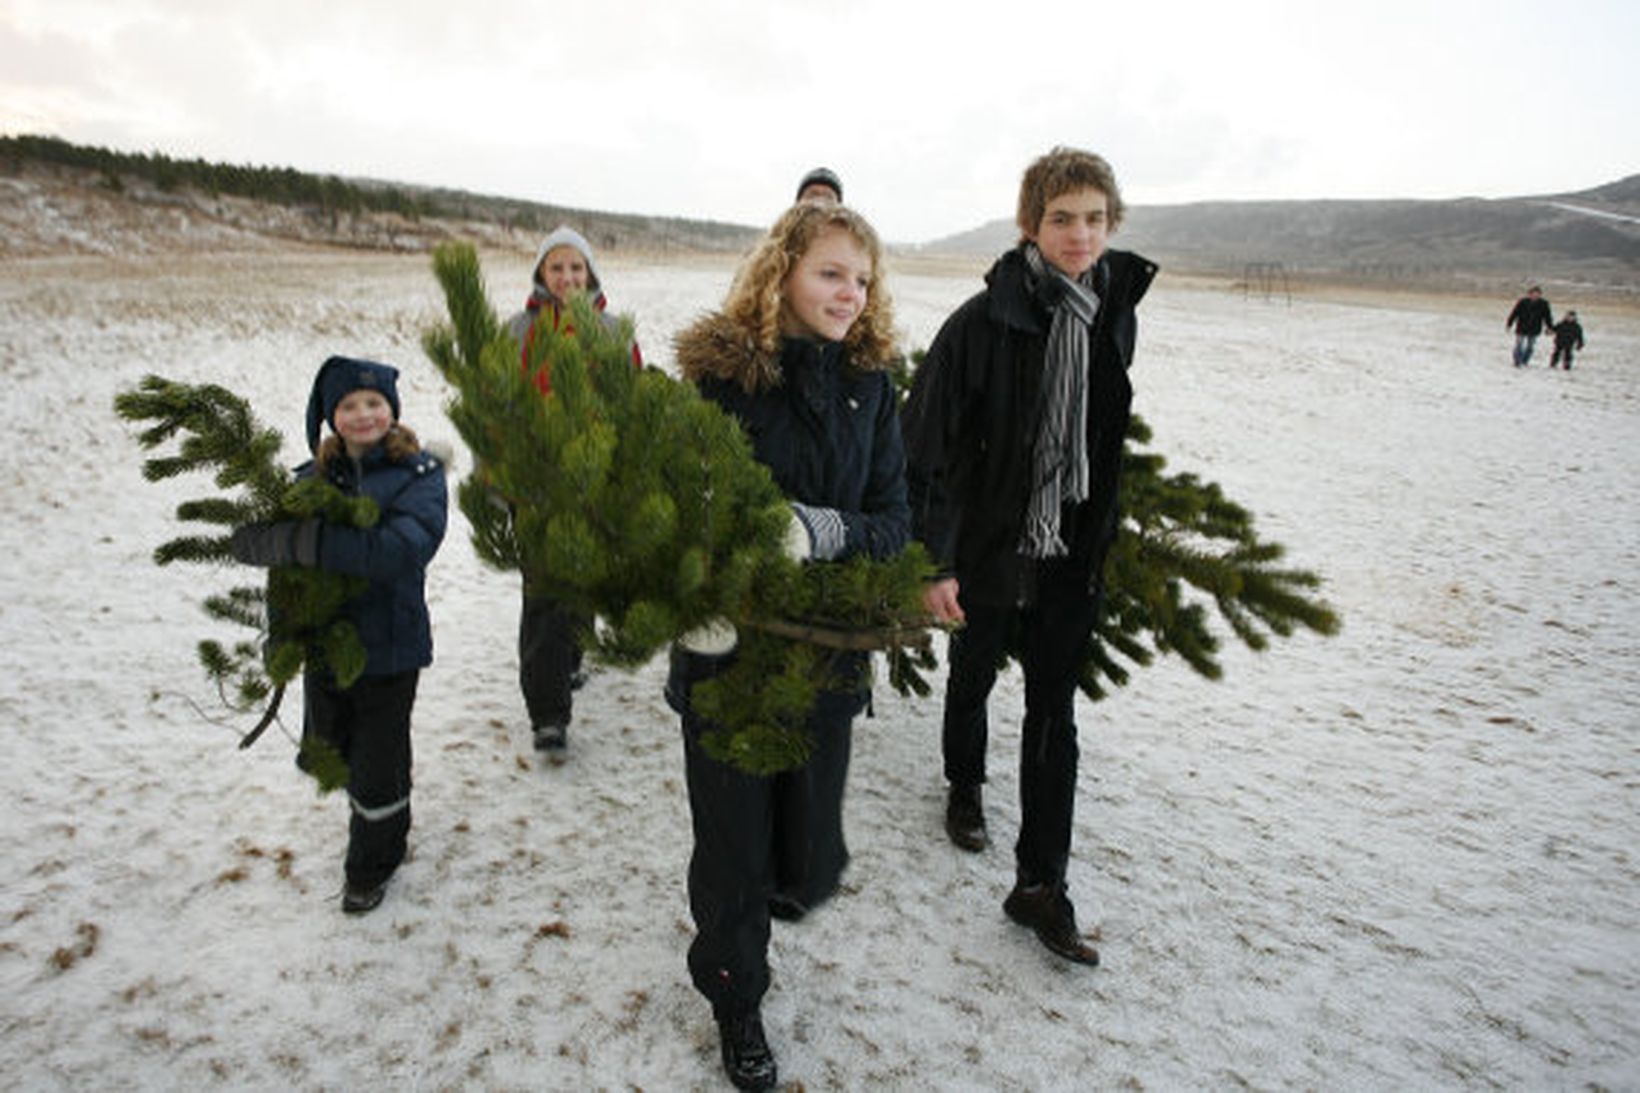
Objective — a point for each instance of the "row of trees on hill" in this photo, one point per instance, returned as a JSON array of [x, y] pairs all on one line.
[[276, 185], [334, 198]]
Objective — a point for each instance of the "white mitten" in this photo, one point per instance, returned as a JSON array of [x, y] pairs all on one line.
[[712, 639], [799, 544]]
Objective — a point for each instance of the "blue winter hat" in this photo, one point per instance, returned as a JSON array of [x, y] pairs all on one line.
[[339, 377]]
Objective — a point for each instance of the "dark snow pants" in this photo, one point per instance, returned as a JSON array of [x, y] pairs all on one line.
[[1050, 637], [549, 656], [756, 837], [369, 726], [1561, 353]]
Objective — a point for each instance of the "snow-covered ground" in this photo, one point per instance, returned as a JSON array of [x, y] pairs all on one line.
[[1401, 858]]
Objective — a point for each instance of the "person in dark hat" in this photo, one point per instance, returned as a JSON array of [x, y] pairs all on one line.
[[368, 453], [820, 184]]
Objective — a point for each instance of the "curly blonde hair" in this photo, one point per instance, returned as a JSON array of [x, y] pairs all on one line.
[[756, 300], [1059, 172], [401, 442]]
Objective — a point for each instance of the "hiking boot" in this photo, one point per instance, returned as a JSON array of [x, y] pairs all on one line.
[[358, 899], [551, 737], [786, 908], [965, 818], [1047, 910], [746, 1055]]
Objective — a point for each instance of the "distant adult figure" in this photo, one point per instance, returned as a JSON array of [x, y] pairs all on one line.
[[821, 184], [1568, 336], [1528, 318]]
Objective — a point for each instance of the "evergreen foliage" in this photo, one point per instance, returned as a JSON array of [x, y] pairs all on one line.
[[628, 497], [1177, 534], [1180, 533], [297, 616], [331, 197]]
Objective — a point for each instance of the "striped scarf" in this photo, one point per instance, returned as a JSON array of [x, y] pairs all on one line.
[[1059, 472]]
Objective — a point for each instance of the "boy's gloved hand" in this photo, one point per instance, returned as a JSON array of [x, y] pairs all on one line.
[[816, 532], [288, 542]]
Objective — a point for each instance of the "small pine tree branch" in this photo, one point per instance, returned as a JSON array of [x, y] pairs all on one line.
[[268, 717], [627, 496], [858, 639], [1178, 534], [296, 619]]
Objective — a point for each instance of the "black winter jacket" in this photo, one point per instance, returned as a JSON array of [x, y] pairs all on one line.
[[1568, 334], [1529, 316], [972, 420], [827, 430]]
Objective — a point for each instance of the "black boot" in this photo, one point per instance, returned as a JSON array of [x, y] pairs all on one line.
[[1046, 909], [359, 899], [552, 736], [746, 1055], [965, 818]]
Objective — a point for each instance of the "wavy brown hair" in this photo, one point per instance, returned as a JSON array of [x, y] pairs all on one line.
[[756, 300], [401, 443], [1059, 172]]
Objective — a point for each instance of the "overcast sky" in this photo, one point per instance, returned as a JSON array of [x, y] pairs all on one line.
[[928, 110]]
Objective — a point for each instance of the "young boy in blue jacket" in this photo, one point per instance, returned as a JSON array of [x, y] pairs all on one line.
[[368, 453]]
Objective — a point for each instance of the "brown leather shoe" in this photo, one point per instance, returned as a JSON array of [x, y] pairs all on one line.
[[1046, 909], [965, 818]]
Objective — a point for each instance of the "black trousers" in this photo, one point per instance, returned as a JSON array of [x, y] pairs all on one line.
[[369, 726], [1562, 352], [755, 837], [1048, 639], [549, 656]]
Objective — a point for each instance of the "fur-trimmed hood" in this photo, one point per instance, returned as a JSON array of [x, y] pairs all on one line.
[[718, 347]]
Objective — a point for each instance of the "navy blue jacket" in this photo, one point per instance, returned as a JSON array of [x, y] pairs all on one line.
[[827, 430], [830, 436], [390, 614], [972, 419]]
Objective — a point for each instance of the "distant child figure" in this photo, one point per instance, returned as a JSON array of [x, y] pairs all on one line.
[[368, 453], [1528, 318], [820, 184], [549, 648], [1568, 336], [799, 356]]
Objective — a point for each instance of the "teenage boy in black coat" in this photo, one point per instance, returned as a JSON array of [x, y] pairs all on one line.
[[1014, 433]]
